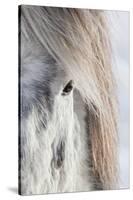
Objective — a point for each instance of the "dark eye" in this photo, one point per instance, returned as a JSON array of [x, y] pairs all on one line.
[[68, 88]]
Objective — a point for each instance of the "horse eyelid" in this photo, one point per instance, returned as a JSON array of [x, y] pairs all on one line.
[[68, 88]]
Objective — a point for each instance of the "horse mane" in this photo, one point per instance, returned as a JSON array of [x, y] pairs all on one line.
[[78, 39]]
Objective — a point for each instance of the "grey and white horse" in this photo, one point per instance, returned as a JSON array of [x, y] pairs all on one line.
[[68, 127]]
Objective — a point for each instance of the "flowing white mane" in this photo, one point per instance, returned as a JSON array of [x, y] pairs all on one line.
[[66, 44]]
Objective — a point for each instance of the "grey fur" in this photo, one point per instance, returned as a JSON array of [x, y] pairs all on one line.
[[58, 154]]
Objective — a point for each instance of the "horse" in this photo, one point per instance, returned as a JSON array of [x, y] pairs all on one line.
[[67, 101]]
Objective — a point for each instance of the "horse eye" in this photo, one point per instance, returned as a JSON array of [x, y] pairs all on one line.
[[68, 88]]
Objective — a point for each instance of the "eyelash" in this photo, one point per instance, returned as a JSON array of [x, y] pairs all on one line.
[[68, 88]]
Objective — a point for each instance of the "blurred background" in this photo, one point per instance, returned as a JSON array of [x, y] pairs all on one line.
[[119, 24]]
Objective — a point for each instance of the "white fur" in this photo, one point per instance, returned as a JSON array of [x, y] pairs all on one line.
[[39, 175]]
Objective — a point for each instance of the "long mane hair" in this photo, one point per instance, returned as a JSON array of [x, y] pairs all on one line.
[[78, 39]]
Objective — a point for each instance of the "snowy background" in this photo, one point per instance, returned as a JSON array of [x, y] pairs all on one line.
[[120, 37]]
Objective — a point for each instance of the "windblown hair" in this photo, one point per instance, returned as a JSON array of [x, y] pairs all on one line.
[[78, 39]]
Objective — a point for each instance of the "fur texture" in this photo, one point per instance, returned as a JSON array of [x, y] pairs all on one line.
[[60, 149]]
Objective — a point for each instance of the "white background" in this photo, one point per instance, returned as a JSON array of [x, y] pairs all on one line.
[[9, 95], [119, 26]]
